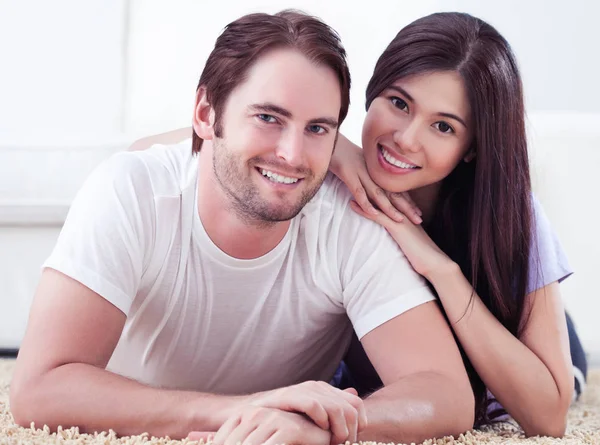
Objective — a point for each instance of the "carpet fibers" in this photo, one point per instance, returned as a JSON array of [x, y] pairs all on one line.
[[584, 426]]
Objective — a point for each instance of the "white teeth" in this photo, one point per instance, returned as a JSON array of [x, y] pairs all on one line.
[[392, 160], [278, 178]]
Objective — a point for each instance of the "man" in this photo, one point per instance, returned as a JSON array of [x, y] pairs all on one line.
[[214, 286]]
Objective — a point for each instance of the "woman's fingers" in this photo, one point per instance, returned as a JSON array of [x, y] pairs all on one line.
[[412, 203], [404, 203], [362, 198], [381, 218], [371, 193], [381, 199]]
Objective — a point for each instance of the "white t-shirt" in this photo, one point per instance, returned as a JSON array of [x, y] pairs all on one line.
[[201, 320]]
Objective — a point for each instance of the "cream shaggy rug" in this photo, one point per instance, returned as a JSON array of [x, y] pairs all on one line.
[[584, 426]]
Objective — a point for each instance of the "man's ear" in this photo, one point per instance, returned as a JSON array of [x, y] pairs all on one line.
[[204, 115]]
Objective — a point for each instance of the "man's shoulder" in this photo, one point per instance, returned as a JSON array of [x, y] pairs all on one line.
[[329, 211], [332, 194]]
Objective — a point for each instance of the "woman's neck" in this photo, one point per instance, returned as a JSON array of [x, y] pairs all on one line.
[[426, 199]]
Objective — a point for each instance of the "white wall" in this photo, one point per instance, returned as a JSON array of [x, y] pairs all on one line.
[[80, 80], [61, 94], [62, 69]]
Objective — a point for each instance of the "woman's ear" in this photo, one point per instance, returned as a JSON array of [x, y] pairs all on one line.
[[469, 156], [204, 116]]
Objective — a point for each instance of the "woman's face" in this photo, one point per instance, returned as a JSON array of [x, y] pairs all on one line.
[[417, 131]]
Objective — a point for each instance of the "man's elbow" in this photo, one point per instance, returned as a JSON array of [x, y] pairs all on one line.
[[454, 413], [463, 423], [464, 412], [454, 416]]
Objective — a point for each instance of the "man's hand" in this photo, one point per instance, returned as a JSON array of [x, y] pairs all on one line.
[[256, 425], [341, 412]]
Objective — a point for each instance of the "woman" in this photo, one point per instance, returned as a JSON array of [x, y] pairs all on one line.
[[444, 142], [444, 137]]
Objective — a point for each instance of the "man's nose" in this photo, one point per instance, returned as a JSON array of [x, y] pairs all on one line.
[[291, 148]]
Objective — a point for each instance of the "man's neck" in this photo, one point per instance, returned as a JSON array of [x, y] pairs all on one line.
[[229, 231]]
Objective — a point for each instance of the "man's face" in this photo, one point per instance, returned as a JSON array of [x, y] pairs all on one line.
[[278, 132]]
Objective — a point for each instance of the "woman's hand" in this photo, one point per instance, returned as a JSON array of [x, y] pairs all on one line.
[[420, 250], [348, 164]]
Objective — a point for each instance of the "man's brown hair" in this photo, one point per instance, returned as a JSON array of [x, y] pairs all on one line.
[[243, 41]]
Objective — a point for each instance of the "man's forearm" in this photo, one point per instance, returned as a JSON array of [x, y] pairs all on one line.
[[417, 408], [97, 400]]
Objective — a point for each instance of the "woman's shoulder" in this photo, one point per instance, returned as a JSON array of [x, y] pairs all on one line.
[[548, 260]]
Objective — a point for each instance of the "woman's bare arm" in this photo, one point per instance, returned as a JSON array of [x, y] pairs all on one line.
[[170, 137], [531, 376]]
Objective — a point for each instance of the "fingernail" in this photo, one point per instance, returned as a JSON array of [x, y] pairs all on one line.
[[419, 220]]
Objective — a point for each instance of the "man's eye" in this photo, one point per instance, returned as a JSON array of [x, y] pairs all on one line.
[[443, 127], [267, 118], [316, 129], [399, 103]]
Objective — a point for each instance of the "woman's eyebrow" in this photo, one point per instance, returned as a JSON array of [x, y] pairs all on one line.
[[410, 99], [401, 91], [453, 116]]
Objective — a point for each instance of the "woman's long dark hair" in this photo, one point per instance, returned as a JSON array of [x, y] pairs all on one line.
[[483, 218]]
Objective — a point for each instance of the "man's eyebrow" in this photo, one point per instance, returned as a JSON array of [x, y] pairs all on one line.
[[410, 98], [268, 107], [333, 123]]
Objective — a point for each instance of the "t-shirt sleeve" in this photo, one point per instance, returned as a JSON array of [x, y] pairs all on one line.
[[104, 241], [377, 282], [547, 260]]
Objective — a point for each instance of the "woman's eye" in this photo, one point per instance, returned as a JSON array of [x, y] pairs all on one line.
[[267, 118], [316, 129], [399, 103], [443, 127]]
